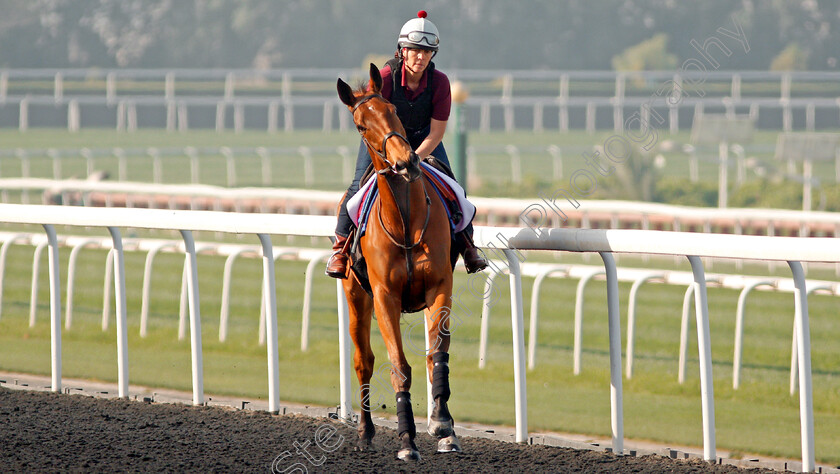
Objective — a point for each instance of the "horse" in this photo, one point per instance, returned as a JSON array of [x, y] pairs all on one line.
[[407, 247]]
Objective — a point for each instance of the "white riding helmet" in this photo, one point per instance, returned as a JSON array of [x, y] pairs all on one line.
[[419, 33]]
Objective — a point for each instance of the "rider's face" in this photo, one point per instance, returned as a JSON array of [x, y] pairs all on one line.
[[417, 60]]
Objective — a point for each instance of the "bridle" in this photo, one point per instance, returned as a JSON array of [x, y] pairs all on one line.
[[383, 155], [382, 152]]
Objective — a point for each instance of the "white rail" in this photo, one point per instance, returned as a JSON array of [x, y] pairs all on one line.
[[499, 90], [315, 257], [605, 242], [637, 276], [152, 247], [603, 213], [790, 249]]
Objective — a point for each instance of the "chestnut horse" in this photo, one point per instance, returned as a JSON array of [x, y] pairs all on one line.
[[407, 246]]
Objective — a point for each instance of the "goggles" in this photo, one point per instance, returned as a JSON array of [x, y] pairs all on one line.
[[418, 37]]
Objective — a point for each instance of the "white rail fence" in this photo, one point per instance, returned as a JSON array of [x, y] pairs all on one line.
[[499, 239], [270, 99], [637, 277], [538, 271], [152, 247], [239, 161], [588, 213]]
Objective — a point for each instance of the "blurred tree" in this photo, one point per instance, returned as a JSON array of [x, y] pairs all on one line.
[[488, 34], [126, 28], [792, 58], [634, 180], [649, 55]]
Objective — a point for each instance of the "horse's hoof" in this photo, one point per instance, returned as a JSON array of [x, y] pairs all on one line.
[[408, 454], [365, 445], [450, 444], [441, 429]]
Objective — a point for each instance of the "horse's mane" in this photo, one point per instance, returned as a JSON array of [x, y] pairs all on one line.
[[363, 88]]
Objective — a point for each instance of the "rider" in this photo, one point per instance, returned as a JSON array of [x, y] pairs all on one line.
[[422, 97]]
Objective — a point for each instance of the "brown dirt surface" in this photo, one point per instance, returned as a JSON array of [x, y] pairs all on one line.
[[43, 431]]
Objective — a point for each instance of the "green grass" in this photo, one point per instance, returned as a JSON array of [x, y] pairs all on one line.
[[760, 417]]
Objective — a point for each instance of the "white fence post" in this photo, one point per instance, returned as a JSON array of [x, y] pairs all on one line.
[[739, 329], [4, 252], [704, 347], [226, 283], [183, 307], [122, 164], [534, 318], [631, 318], [689, 293], [230, 165], [579, 297], [106, 290], [195, 319], [55, 155], [270, 303], [157, 166], [23, 115], [265, 165], [307, 297], [486, 304], [89, 163], [614, 316], [71, 281], [122, 324], [515, 164], [147, 287], [195, 172], [308, 166], [344, 346], [55, 308], [518, 334], [803, 339], [36, 269]]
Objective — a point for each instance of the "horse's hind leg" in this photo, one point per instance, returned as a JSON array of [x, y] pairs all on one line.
[[361, 306], [441, 424]]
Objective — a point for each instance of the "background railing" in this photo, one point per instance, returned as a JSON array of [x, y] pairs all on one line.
[[498, 241], [292, 99]]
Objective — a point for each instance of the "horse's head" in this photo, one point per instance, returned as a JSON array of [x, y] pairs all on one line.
[[377, 122]]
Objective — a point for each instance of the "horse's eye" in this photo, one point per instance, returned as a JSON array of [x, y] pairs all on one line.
[[361, 129]]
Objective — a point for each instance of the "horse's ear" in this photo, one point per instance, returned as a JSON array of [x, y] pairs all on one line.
[[345, 93], [375, 79]]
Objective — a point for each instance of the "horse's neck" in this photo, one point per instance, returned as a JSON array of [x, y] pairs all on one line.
[[401, 201]]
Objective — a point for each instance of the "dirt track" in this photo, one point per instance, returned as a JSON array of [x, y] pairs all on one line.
[[42, 431]]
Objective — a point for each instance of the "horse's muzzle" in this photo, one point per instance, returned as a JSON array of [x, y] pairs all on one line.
[[410, 171]]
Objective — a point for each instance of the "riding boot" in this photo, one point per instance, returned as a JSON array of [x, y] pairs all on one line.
[[473, 260], [337, 264]]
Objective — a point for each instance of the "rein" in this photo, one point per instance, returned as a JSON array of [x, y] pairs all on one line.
[[383, 155], [422, 232]]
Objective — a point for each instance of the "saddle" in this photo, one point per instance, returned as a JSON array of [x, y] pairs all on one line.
[[357, 260]]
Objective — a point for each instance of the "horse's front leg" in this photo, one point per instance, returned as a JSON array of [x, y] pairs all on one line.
[[441, 424], [360, 306], [387, 310]]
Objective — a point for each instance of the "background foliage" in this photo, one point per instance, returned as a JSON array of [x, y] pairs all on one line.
[[538, 34]]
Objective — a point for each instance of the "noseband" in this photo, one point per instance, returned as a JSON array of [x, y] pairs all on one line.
[[382, 152]]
